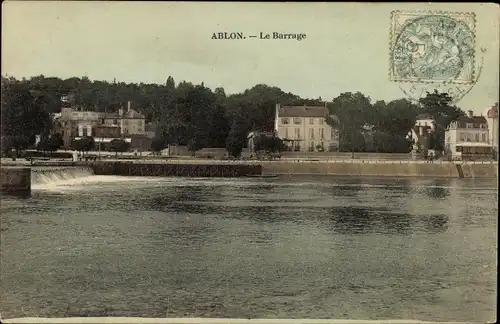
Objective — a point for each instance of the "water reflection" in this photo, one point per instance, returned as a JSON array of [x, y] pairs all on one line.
[[274, 248], [358, 220], [436, 190]]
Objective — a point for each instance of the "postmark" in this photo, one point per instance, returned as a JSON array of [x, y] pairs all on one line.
[[432, 50]]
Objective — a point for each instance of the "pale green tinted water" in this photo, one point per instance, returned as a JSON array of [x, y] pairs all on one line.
[[301, 247]]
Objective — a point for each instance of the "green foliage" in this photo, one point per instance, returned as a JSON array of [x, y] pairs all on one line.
[[392, 143], [84, 144], [439, 106], [194, 115], [235, 141], [158, 144], [24, 115], [271, 144], [51, 143], [118, 145]]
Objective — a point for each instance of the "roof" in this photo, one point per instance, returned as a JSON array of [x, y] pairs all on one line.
[[472, 120], [303, 111]]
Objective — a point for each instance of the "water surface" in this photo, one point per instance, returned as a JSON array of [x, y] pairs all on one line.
[[292, 247]]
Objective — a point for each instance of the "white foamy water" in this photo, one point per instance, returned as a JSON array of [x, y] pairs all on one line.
[[56, 179]]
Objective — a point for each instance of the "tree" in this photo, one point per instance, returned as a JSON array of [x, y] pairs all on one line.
[[439, 106], [51, 143], [157, 144], [84, 144], [351, 110], [396, 117], [195, 143], [235, 141], [118, 145], [23, 116]]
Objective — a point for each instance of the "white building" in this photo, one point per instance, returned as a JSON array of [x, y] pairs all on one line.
[[304, 128], [492, 118], [467, 138], [423, 125]]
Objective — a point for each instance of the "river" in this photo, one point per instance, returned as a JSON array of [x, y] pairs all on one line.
[[290, 247]]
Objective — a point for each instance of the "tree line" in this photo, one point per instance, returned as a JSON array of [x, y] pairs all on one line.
[[198, 117]]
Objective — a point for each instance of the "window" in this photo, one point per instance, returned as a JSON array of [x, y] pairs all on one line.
[[139, 129], [311, 146], [425, 123], [476, 137], [311, 133], [311, 121], [483, 137], [297, 121], [321, 133], [115, 121], [321, 121], [462, 137], [297, 133], [469, 125], [285, 121], [286, 132]]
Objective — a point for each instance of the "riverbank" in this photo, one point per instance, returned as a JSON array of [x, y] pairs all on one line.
[[384, 169], [355, 168]]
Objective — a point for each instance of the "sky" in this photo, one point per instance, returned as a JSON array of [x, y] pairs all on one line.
[[346, 48]]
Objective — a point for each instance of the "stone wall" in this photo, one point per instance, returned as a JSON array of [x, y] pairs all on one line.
[[430, 170], [177, 169]]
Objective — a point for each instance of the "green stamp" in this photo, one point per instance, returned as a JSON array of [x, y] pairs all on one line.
[[432, 47]]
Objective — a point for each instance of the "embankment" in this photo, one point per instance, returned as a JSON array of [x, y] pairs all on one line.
[[394, 169], [15, 181], [225, 170]]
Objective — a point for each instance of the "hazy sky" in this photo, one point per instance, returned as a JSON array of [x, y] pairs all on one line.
[[346, 49]]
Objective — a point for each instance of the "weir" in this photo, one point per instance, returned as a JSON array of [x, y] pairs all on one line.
[[48, 175]]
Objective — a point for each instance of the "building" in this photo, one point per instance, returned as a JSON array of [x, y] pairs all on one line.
[[492, 119], [424, 125], [304, 128], [106, 131], [103, 126], [130, 121], [467, 138]]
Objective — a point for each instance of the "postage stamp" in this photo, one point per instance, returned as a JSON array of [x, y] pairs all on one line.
[[432, 47], [432, 50]]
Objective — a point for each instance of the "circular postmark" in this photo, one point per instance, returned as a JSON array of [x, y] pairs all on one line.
[[416, 90], [433, 52], [434, 48]]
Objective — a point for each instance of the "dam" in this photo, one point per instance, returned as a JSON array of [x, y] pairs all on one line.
[[18, 180]]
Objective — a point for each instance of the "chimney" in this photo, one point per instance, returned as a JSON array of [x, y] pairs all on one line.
[[128, 106], [470, 113]]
